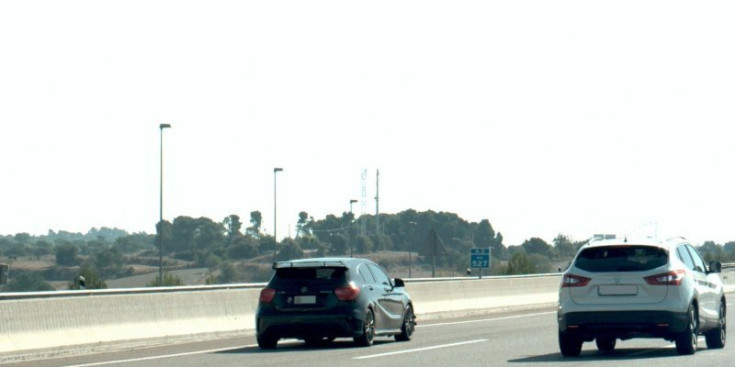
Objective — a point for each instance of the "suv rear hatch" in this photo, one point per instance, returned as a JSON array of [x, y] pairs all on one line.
[[617, 275], [307, 286]]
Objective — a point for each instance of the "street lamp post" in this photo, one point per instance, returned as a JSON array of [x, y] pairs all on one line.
[[160, 212], [275, 232]]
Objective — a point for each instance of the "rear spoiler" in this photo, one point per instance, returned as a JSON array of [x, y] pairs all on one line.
[[308, 264]]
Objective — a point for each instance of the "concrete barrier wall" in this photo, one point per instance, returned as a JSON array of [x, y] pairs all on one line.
[[449, 298], [54, 322]]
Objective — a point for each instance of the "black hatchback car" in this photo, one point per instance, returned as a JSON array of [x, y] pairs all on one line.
[[320, 299]]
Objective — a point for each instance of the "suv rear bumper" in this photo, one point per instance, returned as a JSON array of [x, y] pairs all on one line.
[[624, 324]]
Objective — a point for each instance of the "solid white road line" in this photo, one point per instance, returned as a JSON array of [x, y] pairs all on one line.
[[422, 349], [132, 360]]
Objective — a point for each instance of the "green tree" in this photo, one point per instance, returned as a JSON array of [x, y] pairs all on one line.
[[243, 248], [232, 225], [66, 255], [92, 280], [289, 249], [338, 244], [109, 262], [538, 246], [256, 222], [183, 234], [169, 280], [28, 282], [304, 224], [564, 246], [363, 244], [519, 263]]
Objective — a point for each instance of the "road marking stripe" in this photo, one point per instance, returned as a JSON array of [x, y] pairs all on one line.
[[422, 349], [486, 320], [161, 356]]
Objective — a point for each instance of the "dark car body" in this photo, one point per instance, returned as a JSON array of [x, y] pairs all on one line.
[[321, 299]]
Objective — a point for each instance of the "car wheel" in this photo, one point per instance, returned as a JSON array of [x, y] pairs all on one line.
[[368, 330], [267, 342], [408, 326], [570, 345], [686, 342], [717, 336], [605, 344]]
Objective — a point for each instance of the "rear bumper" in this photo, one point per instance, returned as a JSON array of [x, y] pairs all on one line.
[[624, 325], [343, 322]]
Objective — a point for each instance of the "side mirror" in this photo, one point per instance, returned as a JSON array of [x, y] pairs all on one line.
[[715, 267], [398, 283]]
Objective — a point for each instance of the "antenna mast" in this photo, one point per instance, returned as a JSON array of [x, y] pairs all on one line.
[[377, 202]]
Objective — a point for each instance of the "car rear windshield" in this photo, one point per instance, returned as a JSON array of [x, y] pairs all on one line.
[[621, 258], [334, 274]]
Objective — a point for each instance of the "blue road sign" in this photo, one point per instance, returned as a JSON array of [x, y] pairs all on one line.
[[480, 258]]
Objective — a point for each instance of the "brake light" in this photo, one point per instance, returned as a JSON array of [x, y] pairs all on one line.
[[267, 294], [348, 293], [571, 280], [670, 278]]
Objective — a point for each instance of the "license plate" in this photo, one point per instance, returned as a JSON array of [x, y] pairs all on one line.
[[304, 300], [618, 290]]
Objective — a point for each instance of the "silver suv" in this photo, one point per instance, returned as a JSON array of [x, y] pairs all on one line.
[[617, 289]]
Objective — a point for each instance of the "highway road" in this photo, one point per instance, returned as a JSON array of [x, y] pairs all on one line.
[[525, 338]]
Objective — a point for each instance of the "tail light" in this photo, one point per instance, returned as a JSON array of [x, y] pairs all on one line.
[[670, 278], [348, 293], [267, 294], [571, 280]]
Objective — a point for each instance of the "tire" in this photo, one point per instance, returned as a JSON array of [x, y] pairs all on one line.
[[368, 330], [570, 345], [716, 337], [605, 344], [686, 342], [408, 326], [267, 342]]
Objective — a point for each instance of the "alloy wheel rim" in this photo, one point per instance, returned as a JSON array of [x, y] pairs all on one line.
[[370, 326]]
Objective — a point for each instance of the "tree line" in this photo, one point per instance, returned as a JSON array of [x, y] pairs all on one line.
[[239, 251]]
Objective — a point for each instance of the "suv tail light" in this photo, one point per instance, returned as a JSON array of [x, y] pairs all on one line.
[[571, 280], [348, 293], [267, 294], [670, 278]]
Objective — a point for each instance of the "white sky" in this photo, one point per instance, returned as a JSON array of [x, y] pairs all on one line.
[[545, 117]]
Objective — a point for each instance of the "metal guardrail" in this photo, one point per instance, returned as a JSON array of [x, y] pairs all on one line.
[[118, 291]]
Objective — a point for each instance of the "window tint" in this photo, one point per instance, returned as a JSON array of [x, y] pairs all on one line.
[[621, 258], [366, 275], [310, 273], [380, 276], [685, 257], [698, 262]]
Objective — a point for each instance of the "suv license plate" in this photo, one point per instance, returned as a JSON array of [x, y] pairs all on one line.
[[618, 290], [304, 300]]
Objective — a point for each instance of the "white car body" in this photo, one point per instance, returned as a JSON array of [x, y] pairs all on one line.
[[619, 289]]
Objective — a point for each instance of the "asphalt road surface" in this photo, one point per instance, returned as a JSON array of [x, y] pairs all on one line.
[[526, 338]]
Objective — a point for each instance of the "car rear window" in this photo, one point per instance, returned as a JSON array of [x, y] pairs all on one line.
[[621, 258], [310, 273]]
